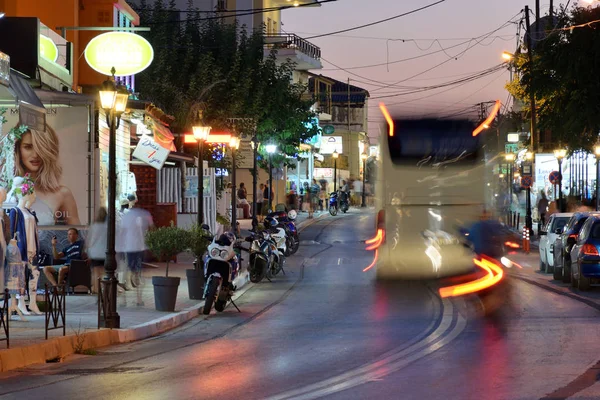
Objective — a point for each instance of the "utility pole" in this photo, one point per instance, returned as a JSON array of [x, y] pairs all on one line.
[[534, 148]]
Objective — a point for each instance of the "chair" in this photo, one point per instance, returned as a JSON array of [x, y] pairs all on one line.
[[79, 274]]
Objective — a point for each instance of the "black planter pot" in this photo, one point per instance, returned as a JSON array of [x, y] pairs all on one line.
[[195, 279], [165, 292]]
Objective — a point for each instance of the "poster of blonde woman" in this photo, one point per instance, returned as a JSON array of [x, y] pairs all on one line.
[[56, 159]]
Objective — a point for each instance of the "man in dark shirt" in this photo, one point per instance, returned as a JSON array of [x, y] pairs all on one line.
[[73, 251]]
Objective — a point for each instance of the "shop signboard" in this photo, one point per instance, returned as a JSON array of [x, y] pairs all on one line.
[[59, 154], [511, 147], [191, 189], [150, 152], [48, 48], [127, 52], [329, 144]]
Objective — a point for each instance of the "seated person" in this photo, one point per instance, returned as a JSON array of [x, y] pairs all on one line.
[[74, 251]]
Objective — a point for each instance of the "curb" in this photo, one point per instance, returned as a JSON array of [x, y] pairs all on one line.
[[61, 347]]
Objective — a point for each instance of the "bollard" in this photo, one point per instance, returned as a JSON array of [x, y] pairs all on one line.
[[526, 240]]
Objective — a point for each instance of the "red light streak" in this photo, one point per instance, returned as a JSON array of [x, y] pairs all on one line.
[[493, 276], [375, 242], [388, 118], [374, 261], [488, 121], [512, 245]]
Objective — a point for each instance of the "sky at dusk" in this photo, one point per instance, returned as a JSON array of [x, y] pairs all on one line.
[[452, 22]]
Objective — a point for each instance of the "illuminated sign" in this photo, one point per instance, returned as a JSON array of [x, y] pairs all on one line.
[[48, 48], [513, 137], [331, 143], [127, 52], [212, 138]]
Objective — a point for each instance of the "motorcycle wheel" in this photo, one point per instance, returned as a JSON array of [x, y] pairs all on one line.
[[220, 305], [257, 271], [295, 244], [211, 295], [333, 211], [277, 268], [289, 242]]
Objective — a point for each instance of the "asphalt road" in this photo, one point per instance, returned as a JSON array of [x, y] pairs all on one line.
[[327, 330]]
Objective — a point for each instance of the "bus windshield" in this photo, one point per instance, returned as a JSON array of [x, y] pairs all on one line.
[[434, 142]]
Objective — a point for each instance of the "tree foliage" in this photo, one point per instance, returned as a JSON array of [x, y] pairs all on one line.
[[218, 70], [564, 75]]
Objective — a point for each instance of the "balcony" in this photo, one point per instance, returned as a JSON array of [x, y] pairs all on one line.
[[289, 46]]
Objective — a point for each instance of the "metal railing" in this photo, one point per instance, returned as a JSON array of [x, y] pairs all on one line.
[[56, 308], [292, 41], [4, 319]]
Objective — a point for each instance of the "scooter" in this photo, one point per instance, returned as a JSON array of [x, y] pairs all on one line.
[[338, 200], [222, 266], [286, 221]]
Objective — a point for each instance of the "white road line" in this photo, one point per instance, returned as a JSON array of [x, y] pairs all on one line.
[[390, 362]]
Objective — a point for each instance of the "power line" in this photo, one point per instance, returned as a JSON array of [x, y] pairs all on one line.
[[377, 22], [401, 39], [253, 12]]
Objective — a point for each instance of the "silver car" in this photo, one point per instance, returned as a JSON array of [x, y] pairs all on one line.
[[549, 233]]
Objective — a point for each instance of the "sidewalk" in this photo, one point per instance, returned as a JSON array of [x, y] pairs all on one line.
[[27, 338]]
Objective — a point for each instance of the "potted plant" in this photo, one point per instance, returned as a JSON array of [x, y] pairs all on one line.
[[165, 243], [199, 239], [224, 221]]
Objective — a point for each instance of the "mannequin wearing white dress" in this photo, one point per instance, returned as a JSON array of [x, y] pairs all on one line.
[[24, 205]]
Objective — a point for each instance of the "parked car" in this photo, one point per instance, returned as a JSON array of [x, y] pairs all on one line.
[[564, 244], [585, 267], [548, 235]]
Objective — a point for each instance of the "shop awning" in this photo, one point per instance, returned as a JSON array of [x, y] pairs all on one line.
[[19, 92]]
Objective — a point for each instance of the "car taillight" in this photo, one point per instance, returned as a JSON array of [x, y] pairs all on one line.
[[573, 236], [381, 223], [589, 250], [374, 243]]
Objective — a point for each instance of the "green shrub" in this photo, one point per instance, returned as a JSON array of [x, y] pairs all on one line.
[[198, 240], [168, 241]]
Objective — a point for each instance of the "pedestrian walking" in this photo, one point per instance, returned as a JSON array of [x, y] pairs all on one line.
[[96, 246], [542, 208], [260, 198], [132, 241]]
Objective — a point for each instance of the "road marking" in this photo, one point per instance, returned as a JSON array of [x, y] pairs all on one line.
[[451, 325]]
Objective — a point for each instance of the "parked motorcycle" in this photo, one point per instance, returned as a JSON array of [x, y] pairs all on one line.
[[278, 236], [260, 251], [286, 221], [338, 201], [222, 266]]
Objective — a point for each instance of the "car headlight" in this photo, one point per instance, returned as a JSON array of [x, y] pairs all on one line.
[[214, 253]]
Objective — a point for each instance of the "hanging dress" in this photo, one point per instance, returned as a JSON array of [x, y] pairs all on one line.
[[15, 270]]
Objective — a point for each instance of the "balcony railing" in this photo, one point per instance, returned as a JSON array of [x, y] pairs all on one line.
[[291, 41]]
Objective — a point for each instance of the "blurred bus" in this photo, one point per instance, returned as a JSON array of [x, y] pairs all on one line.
[[431, 181]]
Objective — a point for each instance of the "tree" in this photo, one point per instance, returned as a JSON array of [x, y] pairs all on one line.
[[564, 76]]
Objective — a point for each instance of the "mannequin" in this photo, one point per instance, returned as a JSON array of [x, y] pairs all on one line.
[[23, 224]]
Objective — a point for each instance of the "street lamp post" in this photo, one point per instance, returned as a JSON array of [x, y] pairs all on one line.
[[234, 144], [335, 156], [560, 155], [528, 215], [254, 143], [200, 134], [271, 148], [364, 159], [597, 152], [113, 100], [509, 177]]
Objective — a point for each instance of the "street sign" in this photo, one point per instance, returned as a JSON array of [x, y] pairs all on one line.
[[526, 182], [527, 170], [554, 177], [328, 129], [511, 147]]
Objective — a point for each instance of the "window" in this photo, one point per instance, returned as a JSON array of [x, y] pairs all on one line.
[[585, 230], [596, 230], [104, 17], [221, 5], [558, 223]]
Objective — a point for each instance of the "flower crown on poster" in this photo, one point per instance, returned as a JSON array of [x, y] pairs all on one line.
[[26, 187], [7, 150]]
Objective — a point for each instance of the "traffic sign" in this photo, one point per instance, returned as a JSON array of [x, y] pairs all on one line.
[[526, 182], [554, 177], [511, 147]]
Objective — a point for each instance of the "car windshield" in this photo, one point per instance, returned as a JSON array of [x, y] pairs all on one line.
[[559, 223], [579, 224]]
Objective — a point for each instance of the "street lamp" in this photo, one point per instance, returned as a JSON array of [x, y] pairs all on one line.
[[271, 148], [597, 152], [528, 215], [113, 100], [254, 143], [234, 144], [200, 134], [335, 156], [560, 155], [507, 56], [364, 157]]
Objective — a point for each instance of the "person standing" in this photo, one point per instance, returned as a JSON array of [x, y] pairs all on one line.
[[260, 198], [96, 246], [132, 242], [267, 196], [542, 207], [358, 189], [242, 195]]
